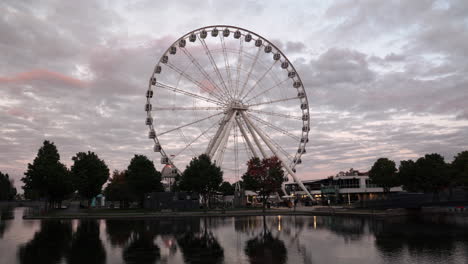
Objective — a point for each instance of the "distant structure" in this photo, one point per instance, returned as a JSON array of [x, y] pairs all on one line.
[[168, 175], [344, 187]]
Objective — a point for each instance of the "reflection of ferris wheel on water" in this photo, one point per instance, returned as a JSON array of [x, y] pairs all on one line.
[[230, 93]]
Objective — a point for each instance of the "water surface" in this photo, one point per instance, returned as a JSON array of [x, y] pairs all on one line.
[[271, 239]]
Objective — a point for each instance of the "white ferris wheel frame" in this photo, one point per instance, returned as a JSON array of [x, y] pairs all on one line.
[[235, 110]]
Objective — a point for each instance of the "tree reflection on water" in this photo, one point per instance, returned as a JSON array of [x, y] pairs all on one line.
[[6, 213], [141, 248], [265, 248], [86, 246], [48, 245], [202, 247]]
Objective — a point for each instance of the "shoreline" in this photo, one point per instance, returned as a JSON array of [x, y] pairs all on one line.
[[218, 213]]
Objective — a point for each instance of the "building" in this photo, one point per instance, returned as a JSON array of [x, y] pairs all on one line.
[[168, 175], [171, 201], [344, 187]]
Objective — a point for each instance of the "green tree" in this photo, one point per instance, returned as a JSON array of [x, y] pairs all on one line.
[[201, 176], [408, 176], [460, 168], [226, 188], [118, 189], [47, 176], [89, 174], [7, 190], [432, 173], [383, 173], [264, 177], [142, 177]]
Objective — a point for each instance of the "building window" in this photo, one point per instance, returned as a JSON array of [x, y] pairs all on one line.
[[369, 184], [348, 183]]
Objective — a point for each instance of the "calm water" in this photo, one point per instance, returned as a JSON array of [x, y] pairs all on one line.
[[273, 239]]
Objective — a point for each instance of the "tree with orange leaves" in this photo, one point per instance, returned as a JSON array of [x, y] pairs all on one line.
[[264, 177]]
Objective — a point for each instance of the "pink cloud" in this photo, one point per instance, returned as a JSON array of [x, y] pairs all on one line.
[[40, 74], [17, 112]]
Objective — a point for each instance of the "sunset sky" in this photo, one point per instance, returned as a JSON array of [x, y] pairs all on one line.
[[383, 78]]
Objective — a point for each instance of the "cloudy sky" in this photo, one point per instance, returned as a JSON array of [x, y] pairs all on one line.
[[383, 78]]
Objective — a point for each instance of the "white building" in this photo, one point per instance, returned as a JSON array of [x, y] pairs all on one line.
[[344, 187]]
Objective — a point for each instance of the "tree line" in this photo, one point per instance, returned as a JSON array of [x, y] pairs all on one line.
[[428, 174], [7, 189], [48, 178]]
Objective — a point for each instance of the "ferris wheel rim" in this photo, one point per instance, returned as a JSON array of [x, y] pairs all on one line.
[[304, 99]]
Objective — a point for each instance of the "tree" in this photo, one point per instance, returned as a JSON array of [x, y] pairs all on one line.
[[264, 176], [226, 188], [47, 176], [201, 176], [433, 173], [408, 177], [143, 178], [89, 174], [118, 189], [383, 173], [7, 190], [460, 168]]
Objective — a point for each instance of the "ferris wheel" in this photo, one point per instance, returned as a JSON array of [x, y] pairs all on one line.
[[229, 93]]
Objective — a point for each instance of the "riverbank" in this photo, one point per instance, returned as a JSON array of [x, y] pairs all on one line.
[[141, 213]]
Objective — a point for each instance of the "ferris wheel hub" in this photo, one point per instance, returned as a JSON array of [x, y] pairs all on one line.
[[237, 105]]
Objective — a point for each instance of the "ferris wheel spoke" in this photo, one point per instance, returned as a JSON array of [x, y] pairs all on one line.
[[239, 65], [275, 101], [278, 146], [227, 66], [236, 152], [215, 66], [246, 137], [202, 71], [250, 71], [220, 147], [276, 114], [284, 132], [174, 108], [189, 124], [197, 83], [271, 147], [198, 137], [267, 90], [180, 91], [259, 80]]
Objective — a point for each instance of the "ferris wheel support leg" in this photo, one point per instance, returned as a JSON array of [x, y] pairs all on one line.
[[244, 134], [217, 136], [271, 147], [221, 136], [254, 136], [223, 142]]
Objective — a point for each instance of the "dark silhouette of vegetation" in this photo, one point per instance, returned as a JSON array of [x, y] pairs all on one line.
[[6, 213], [383, 173], [201, 176], [460, 168], [49, 245], [7, 189], [264, 176], [142, 177], [201, 248], [118, 232], [118, 189], [226, 188], [428, 174], [86, 246], [89, 174], [141, 247], [265, 248], [47, 176]]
